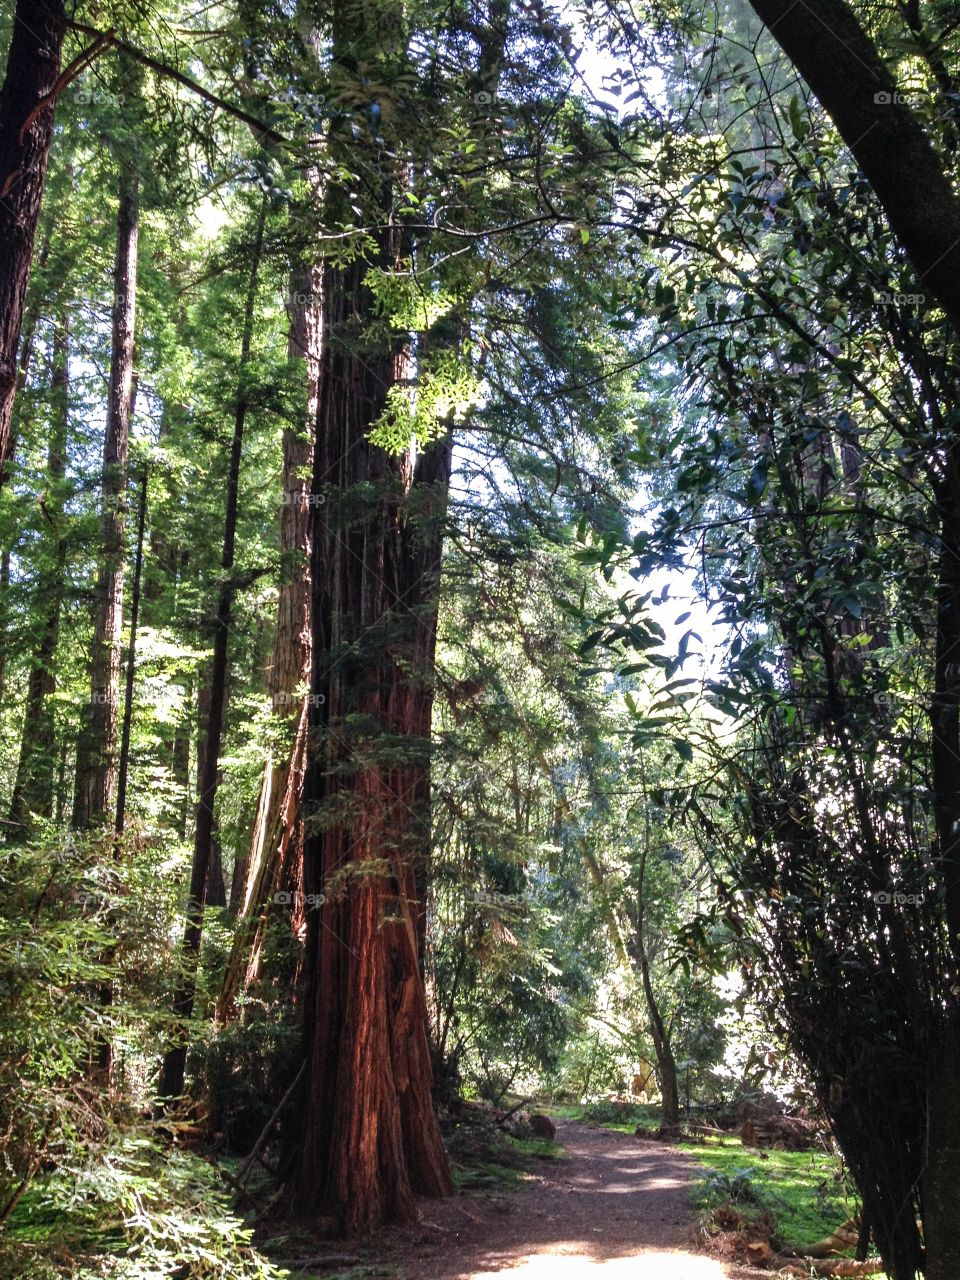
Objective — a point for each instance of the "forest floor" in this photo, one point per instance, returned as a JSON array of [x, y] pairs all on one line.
[[614, 1199]]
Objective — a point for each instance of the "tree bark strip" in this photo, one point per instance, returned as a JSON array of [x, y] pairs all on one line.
[[26, 130]]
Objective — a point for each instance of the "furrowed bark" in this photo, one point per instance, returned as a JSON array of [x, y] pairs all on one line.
[[27, 103], [369, 1138]]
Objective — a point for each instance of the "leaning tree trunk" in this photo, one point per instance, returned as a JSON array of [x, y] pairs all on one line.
[[368, 1137], [273, 858], [97, 742], [175, 1059], [27, 104], [33, 791]]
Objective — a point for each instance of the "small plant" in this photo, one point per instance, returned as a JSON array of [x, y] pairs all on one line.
[[735, 1185]]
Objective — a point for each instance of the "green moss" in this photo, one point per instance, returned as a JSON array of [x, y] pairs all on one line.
[[486, 1177], [805, 1189], [539, 1148]]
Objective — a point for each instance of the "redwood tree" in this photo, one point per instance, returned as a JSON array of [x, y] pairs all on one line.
[[368, 1137], [27, 104]]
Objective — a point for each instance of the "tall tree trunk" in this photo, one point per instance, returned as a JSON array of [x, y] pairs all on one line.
[[27, 103], [123, 769], [666, 1062], [97, 742], [174, 1063], [273, 858], [6, 461], [33, 791], [368, 1138]]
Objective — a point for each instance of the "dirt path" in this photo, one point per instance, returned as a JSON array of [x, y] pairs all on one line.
[[615, 1200]]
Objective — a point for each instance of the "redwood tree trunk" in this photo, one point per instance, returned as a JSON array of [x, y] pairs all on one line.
[[368, 1138], [273, 860], [26, 128], [33, 792], [97, 742], [175, 1059]]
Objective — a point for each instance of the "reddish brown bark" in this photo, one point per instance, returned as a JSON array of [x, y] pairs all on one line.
[[273, 860], [97, 742], [368, 1135], [26, 129]]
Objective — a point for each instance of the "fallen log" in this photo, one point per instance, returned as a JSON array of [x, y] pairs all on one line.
[[843, 1238]]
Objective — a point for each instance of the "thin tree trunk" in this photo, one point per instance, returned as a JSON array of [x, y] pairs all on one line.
[[174, 1064], [27, 103], [274, 854], [97, 742], [666, 1063], [33, 791], [123, 768], [104, 1046], [826, 43], [214, 891]]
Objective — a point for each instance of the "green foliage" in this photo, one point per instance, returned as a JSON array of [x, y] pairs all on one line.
[[809, 1193], [132, 1209]]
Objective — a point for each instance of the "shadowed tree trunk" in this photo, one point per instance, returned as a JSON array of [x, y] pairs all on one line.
[[174, 1062], [666, 1063], [274, 855], [832, 51], [273, 858], [97, 742], [6, 462], [27, 104], [33, 792], [214, 892]]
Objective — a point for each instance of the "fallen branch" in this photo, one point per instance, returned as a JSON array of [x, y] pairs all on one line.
[[839, 1267], [247, 1165], [507, 1114], [843, 1238], [234, 1182]]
